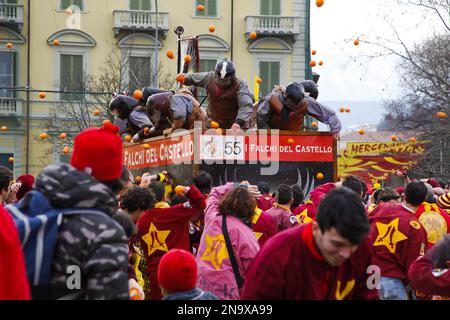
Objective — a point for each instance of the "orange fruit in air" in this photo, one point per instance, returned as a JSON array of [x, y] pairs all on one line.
[[394, 138], [200, 7], [320, 62], [347, 110], [55, 42], [259, 80], [361, 131], [187, 58], [313, 52], [63, 135], [290, 141], [105, 122], [441, 115], [128, 138], [314, 124], [137, 94], [320, 3], [356, 42], [312, 63], [212, 28], [179, 190], [4, 128], [146, 146], [9, 45], [137, 179], [96, 112], [253, 35], [42, 95], [10, 159], [170, 54], [319, 176], [43, 135], [214, 125], [412, 140], [180, 78], [342, 109], [66, 150]]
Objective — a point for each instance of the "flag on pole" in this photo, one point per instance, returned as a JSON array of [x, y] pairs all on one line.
[[256, 86]]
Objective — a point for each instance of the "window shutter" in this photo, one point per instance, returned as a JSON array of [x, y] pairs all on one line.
[[200, 13], [264, 74], [79, 3], [265, 7], [276, 7], [64, 4], [134, 4], [212, 8], [274, 74]]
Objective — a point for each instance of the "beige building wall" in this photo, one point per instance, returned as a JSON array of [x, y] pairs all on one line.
[[285, 41]]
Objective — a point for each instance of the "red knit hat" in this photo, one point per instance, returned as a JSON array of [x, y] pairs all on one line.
[[100, 151], [27, 181], [177, 271]]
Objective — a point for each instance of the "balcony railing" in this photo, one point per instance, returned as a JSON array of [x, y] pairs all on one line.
[[11, 14], [273, 25], [141, 20], [10, 107]]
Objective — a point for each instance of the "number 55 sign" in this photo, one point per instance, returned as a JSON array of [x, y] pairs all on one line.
[[222, 147]]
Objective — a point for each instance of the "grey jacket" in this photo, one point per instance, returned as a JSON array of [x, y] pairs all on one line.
[[96, 244]]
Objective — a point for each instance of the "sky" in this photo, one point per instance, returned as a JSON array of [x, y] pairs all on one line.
[[347, 75]]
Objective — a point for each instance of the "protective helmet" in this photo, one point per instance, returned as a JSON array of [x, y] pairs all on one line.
[[147, 92], [225, 69], [310, 87], [294, 92], [123, 105]]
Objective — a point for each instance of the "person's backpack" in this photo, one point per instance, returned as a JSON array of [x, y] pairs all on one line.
[[38, 223]]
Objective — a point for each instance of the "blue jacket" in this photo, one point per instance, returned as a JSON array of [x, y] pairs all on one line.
[[194, 294]]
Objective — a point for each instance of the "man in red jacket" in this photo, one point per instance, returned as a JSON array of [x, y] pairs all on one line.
[[397, 239], [13, 275], [435, 221], [325, 259], [281, 210], [160, 230]]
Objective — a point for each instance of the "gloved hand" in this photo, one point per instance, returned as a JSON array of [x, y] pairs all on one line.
[[15, 187], [136, 138], [136, 291]]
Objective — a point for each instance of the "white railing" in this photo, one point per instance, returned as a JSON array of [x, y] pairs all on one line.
[[273, 24], [11, 13], [140, 19], [10, 106]]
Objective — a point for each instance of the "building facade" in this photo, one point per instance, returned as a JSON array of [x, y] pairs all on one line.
[[53, 47]]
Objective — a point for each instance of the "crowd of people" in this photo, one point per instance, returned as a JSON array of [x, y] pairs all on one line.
[[145, 240]]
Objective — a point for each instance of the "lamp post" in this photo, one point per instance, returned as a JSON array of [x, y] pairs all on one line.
[[155, 81]]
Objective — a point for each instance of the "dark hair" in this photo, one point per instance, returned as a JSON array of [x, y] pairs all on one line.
[[342, 209], [263, 187], [440, 253], [137, 199], [6, 176], [353, 183], [239, 203], [176, 199], [415, 193], [376, 195], [297, 195], [125, 221], [159, 189], [115, 185], [284, 194], [387, 194], [203, 181]]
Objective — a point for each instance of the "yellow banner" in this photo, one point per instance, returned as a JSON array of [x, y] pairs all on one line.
[[364, 148]]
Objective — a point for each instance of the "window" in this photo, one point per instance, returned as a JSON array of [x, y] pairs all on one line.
[[64, 4], [141, 5], [8, 73], [210, 8], [4, 160], [206, 65], [269, 71], [8, 1], [71, 76], [140, 72], [270, 7]]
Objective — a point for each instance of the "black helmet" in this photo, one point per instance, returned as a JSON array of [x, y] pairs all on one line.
[[310, 87], [295, 92], [225, 69], [123, 104], [147, 92]]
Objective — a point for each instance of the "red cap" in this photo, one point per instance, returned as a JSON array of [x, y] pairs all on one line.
[[433, 182], [27, 181], [177, 271], [100, 151]]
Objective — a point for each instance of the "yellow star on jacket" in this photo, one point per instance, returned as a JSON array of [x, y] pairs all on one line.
[[156, 239], [302, 217], [389, 235], [216, 250]]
